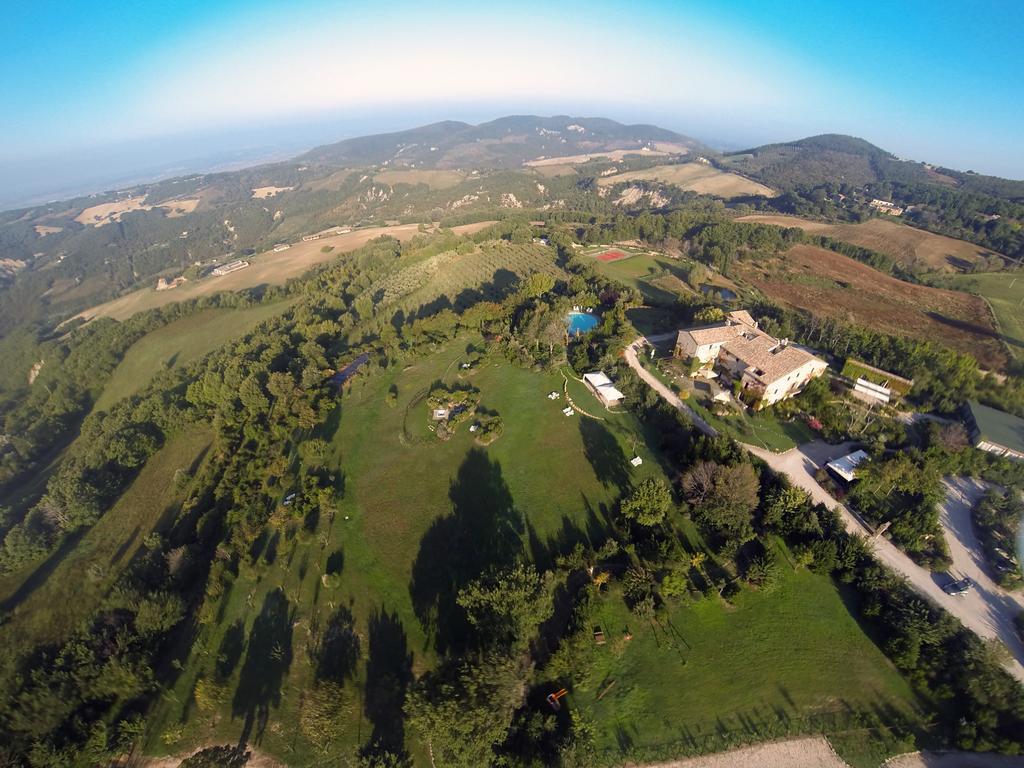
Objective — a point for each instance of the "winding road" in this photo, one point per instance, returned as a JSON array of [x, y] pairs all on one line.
[[987, 609]]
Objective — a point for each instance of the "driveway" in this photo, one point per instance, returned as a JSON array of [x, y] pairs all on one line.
[[655, 383], [986, 610]]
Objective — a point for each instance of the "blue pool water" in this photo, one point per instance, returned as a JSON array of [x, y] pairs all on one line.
[[580, 322]]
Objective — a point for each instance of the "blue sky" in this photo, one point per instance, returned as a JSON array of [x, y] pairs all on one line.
[[936, 81]]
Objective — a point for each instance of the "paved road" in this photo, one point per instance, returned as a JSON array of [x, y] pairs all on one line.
[[986, 610]]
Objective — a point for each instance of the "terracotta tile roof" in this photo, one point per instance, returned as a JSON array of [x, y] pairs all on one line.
[[766, 358]]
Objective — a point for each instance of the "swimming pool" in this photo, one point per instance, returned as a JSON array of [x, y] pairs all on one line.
[[580, 322]]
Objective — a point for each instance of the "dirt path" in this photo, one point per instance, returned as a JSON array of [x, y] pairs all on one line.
[[986, 612], [812, 752], [654, 383]]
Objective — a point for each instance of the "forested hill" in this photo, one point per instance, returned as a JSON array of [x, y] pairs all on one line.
[[836, 176], [849, 160], [502, 143]]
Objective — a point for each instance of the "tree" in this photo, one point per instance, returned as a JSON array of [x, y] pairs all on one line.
[[649, 503], [506, 607], [463, 711], [699, 482], [697, 276], [788, 511], [762, 570], [538, 284], [708, 315], [727, 508]]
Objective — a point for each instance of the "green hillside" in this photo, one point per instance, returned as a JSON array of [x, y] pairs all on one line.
[[375, 517]]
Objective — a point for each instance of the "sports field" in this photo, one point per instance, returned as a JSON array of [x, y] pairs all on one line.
[[911, 246]]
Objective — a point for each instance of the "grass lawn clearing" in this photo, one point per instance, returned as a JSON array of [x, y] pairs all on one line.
[[659, 278], [1005, 294], [552, 478], [48, 602], [180, 342], [711, 675]]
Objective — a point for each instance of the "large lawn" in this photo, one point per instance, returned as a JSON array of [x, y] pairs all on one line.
[[660, 279], [180, 342], [418, 516], [411, 506], [712, 674]]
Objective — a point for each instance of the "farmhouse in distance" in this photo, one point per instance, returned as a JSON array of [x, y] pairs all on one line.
[[768, 369]]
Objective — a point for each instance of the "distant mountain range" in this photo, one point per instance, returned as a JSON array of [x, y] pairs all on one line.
[[507, 142], [60, 257]]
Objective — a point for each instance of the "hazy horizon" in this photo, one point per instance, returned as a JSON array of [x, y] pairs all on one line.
[[938, 82]]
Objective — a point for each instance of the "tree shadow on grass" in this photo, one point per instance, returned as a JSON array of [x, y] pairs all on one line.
[[230, 651], [482, 532], [605, 454], [339, 648], [43, 571], [388, 675], [266, 663]]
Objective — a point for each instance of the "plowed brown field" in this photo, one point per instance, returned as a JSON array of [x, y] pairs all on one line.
[[828, 284]]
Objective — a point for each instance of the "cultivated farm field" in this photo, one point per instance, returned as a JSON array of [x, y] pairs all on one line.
[[435, 179], [107, 213], [912, 246], [696, 177], [829, 284], [266, 268], [452, 279]]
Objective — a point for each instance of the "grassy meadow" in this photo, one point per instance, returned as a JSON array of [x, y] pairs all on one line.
[[409, 502], [49, 601], [1005, 293], [411, 505], [713, 674], [660, 279], [181, 342]]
